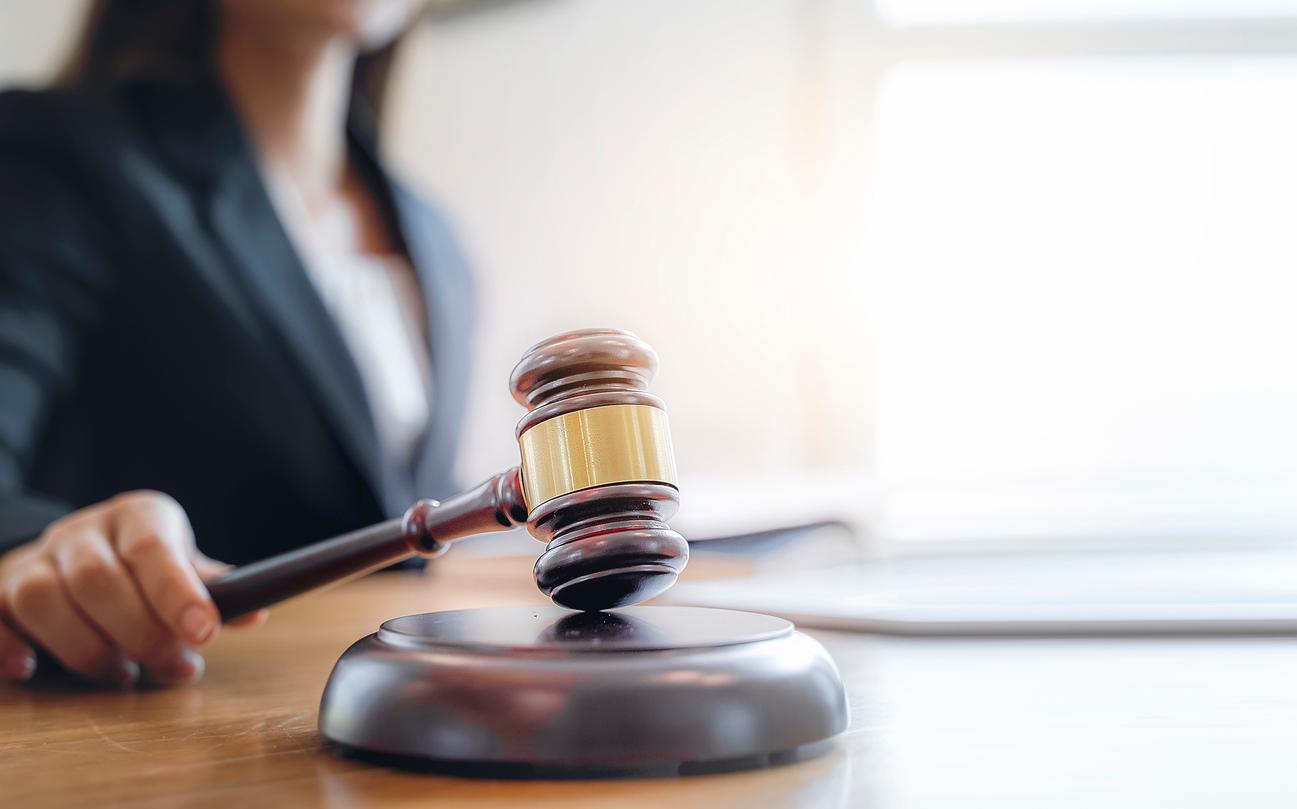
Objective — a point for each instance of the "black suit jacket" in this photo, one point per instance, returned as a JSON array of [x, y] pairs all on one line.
[[157, 329]]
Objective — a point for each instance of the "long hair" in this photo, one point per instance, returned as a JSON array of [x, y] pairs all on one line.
[[174, 42]]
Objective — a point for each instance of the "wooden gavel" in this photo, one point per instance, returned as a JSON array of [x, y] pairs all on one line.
[[597, 483]]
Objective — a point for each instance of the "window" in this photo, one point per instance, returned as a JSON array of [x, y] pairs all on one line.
[[903, 12], [1030, 260], [1083, 262]]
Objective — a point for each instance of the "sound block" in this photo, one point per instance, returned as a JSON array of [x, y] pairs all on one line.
[[546, 691]]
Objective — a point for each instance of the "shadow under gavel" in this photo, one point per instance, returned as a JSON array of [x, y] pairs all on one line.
[[597, 483]]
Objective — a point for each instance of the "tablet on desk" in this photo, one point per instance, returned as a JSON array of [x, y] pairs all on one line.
[[1095, 593]]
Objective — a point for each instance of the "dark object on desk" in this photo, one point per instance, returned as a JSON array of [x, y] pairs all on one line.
[[771, 540], [597, 484], [547, 692]]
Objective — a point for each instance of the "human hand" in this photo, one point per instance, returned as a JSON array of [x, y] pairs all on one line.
[[114, 592]]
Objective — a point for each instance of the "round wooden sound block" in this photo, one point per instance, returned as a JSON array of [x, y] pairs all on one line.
[[546, 690]]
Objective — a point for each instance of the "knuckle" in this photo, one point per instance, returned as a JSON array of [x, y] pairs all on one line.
[[142, 546], [55, 529], [32, 592], [90, 572], [57, 534], [70, 525], [150, 500]]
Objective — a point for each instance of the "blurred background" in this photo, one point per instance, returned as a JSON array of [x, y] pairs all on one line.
[[958, 271]]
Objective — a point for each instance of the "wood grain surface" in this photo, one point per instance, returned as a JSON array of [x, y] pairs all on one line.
[[934, 723]]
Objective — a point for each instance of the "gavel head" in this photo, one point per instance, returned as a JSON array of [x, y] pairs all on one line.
[[598, 474]]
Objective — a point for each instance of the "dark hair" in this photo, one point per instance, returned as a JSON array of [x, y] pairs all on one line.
[[174, 42]]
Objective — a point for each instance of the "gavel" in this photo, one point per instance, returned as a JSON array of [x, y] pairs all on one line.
[[596, 483]]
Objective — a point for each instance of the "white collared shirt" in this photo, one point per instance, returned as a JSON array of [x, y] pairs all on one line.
[[377, 304]]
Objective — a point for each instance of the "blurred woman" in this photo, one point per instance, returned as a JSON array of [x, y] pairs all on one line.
[[225, 330]]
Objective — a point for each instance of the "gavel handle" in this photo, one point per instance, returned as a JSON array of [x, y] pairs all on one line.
[[251, 587], [426, 529]]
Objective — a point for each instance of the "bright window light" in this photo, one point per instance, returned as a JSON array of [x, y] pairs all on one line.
[[1084, 298], [929, 12]]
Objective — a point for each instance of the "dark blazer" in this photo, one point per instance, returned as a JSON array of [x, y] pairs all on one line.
[[157, 330]]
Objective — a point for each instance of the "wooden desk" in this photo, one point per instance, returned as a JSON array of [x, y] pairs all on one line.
[[972, 723]]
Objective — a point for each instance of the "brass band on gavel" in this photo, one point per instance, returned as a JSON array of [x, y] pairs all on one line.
[[620, 443]]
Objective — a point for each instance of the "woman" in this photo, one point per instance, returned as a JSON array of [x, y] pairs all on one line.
[[224, 330]]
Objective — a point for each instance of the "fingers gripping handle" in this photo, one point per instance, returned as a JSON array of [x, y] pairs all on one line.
[[426, 529]]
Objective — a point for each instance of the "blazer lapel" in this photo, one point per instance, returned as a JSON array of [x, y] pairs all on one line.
[[439, 267], [271, 270], [203, 138], [211, 147], [426, 260]]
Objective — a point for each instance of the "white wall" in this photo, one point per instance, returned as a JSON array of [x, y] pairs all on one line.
[[35, 36], [690, 171]]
